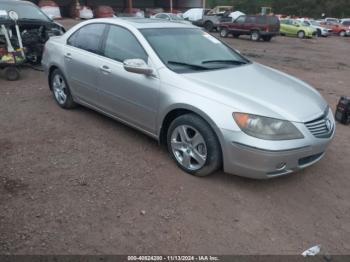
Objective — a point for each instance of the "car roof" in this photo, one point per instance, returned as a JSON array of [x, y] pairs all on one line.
[[16, 2], [143, 23]]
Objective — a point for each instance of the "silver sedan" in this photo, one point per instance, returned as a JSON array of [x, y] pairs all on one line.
[[209, 105]]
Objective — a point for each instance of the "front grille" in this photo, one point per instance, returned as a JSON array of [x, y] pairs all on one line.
[[321, 127]]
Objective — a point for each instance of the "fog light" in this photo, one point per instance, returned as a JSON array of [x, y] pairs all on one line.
[[281, 166]]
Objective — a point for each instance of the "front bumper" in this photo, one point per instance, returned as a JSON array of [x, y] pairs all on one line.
[[260, 159]]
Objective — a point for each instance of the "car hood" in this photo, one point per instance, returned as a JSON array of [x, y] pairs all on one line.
[[260, 90]]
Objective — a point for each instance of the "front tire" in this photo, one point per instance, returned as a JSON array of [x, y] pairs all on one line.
[[223, 32], [60, 90], [255, 35], [342, 33], [194, 146]]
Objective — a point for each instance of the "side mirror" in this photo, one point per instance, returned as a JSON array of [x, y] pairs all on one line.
[[137, 66]]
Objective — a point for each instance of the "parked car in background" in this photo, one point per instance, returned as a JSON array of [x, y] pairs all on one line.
[[346, 23], [213, 17], [193, 14], [291, 27], [35, 27], [257, 26], [331, 20], [321, 30], [337, 29], [171, 17], [208, 104]]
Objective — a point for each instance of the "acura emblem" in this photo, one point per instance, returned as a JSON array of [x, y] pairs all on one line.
[[328, 125]]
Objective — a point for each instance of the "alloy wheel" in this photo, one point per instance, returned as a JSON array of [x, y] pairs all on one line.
[[223, 33], [59, 89], [301, 34], [189, 147], [255, 36]]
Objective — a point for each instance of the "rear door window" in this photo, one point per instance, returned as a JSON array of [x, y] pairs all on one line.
[[261, 20], [251, 20], [121, 44], [88, 38]]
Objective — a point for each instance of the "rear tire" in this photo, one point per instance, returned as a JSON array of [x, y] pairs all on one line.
[[301, 34], [255, 35], [189, 138], [12, 73], [342, 33], [267, 38], [319, 33], [209, 26]]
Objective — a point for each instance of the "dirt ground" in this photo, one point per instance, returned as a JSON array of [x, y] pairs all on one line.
[[76, 182]]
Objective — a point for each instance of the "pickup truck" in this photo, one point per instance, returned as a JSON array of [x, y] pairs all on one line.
[[213, 17], [256, 26]]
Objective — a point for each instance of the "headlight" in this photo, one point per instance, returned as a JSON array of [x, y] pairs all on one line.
[[267, 128]]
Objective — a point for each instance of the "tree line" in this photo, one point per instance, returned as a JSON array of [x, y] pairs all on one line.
[[304, 8]]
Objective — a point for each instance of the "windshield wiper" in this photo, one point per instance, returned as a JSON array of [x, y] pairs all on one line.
[[199, 67], [236, 62]]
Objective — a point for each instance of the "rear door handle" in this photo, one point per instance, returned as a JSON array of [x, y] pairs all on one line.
[[105, 69]]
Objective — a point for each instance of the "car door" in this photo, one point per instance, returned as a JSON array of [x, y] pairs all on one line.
[[82, 51], [237, 25], [250, 23], [129, 96], [290, 28], [295, 28]]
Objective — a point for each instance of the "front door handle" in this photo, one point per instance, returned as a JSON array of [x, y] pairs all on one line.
[[68, 56], [105, 69]]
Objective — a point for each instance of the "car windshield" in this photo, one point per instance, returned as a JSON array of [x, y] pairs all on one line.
[[175, 17], [315, 23], [191, 49], [25, 11]]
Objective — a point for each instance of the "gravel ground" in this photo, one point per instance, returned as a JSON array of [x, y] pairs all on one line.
[[76, 182]]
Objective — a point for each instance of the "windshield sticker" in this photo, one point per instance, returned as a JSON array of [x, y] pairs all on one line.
[[211, 38]]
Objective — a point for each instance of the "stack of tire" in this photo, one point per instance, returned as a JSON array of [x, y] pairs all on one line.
[[50, 8], [81, 12]]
